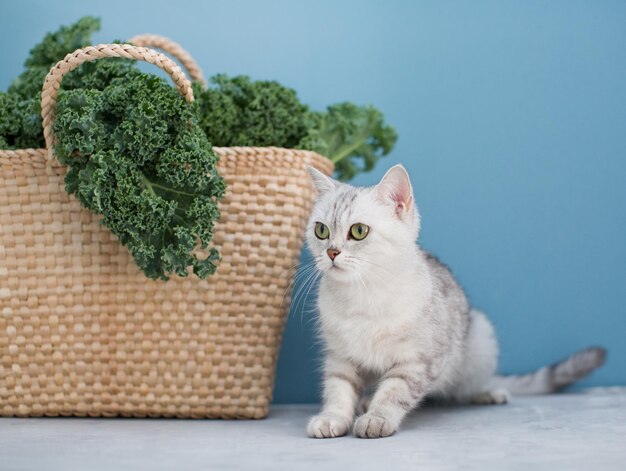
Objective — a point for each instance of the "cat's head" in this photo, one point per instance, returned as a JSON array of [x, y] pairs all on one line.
[[356, 230]]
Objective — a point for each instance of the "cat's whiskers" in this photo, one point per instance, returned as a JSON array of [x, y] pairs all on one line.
[[305, 270], [302, 302], [311, 285], [299, 267], [309, 278], [381, 280], [371, 263], [361, 279], [299, 277], [366, 292], [372, 306], [298, 290]]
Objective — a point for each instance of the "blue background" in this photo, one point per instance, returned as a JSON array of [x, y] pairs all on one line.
[[512, 123]]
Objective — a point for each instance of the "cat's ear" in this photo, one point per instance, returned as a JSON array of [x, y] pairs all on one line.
[[395, 187], [321, 182]]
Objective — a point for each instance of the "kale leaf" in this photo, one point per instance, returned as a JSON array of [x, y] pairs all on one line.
[[137, 156], [353, 137]]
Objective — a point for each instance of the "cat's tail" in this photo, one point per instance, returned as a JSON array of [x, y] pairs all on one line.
[[555, 377]]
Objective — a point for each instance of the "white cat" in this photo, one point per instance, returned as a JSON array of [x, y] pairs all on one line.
[[394, 319]]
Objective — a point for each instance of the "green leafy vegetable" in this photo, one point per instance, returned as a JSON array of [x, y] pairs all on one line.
[[240, 112], [49, 51], [20, 106], [233, 111], [353, 137], [138, 157], [20, 122]]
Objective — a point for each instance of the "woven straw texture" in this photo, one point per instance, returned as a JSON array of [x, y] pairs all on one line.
[[83, 332]]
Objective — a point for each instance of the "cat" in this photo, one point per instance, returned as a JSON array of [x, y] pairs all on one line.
[[393, 317]]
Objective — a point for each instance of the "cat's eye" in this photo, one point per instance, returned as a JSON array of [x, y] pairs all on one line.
[[359, 231], [321, 231]]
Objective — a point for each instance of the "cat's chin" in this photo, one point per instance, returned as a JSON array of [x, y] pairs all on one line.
[[338, 273]]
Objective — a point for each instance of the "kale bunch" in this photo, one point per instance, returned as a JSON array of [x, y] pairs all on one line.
[[49, 51], [236, 111], [20, 122], [233, 111], [353, 137], [20, 105], [138, 157]]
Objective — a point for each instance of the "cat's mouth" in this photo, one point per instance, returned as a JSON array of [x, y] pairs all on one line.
[[336, 268]]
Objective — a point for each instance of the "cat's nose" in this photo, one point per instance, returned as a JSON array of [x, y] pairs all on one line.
[[332, 253]]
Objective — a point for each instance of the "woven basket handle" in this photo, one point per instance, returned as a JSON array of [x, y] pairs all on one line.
[[173, 49], [52, 82]]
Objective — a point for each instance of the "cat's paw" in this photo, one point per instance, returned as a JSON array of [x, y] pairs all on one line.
[[327, 426], [373, 426], [497, 396]]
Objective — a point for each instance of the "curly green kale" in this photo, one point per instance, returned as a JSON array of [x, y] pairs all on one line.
[[240, 112], [20, 106], [353, 137], [234, 111], [49, 51], [20, 121], [137, 156]]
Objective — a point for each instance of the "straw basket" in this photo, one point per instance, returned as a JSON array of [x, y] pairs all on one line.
[[83, 332]]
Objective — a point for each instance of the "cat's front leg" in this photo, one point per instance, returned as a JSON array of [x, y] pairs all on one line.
[[400, 390], [342, 386]]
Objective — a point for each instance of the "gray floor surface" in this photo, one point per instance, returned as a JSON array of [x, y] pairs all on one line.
[[585, 431]]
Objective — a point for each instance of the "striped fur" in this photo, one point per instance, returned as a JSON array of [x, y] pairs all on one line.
[[553, 378]]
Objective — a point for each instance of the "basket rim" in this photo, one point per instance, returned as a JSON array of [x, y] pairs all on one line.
[[16, 157]]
